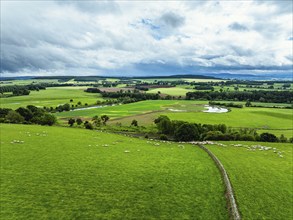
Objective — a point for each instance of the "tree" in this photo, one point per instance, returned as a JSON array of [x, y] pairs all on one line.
[[4, 112], [26, 113], [97, 120], [105, 118], [71, 100], [248, 103], [71, 122], [48, 119], [78, 121], [66, 107], [79, 103], [14, 117], [32, 108], [186, 132], [134, 123], [283, 139], [164, 124], [268, 137]]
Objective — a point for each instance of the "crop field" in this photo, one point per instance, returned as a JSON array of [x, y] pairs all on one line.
[[63, 173], [261, 176], [52, 96], [173, 91]]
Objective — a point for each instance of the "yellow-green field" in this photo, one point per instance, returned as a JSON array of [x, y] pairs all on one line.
[[52, 96]]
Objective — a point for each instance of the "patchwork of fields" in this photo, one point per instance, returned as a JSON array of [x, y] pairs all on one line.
[[74, 173], [271, 120]]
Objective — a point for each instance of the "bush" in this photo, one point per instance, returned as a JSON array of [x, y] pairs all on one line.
[[71, 122], [283, 139], [163, 137], [134, 123], [247, 137], [48, 119], [268, 137], [14, 117], [78, 121], [89, 126]]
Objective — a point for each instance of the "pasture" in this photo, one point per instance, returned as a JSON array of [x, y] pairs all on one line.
[[52, 97], [273, 120], [136, 108], [64, 173], [261, 177]]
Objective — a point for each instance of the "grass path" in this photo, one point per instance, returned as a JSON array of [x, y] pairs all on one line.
[[231, 201]]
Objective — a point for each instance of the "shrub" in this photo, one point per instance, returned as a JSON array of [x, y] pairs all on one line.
[[89, 126], [163, 137], [268, 137], [134, 123], [14, 117]]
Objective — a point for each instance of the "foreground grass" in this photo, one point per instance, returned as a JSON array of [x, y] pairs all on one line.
[[52, 96], [63, 173], [262, 180]]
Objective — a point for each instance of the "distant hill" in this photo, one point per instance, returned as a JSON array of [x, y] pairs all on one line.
[[263, 76]]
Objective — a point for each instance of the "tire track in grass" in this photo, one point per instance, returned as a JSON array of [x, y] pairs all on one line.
[[231, 201]]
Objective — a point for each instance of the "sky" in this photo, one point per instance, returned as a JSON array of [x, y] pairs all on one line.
[[139, 38]]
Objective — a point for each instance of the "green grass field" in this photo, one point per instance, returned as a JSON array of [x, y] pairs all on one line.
[[52, 96], [262, 180], [246, 117], [63, 173], [173, 91], [273, 120], [119, 111], [28, 81]]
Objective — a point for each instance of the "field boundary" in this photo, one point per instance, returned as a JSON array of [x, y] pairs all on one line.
[[232, 205]]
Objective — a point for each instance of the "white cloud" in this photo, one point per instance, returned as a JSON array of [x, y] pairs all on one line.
[[104, 37]]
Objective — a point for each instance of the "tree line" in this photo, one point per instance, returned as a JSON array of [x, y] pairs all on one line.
[[256, 96], [18, 90], [29, 115], [185, 131]]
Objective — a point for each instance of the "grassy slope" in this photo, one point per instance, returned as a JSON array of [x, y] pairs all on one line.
[[63, 173], [261, 179], [53, 96]]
